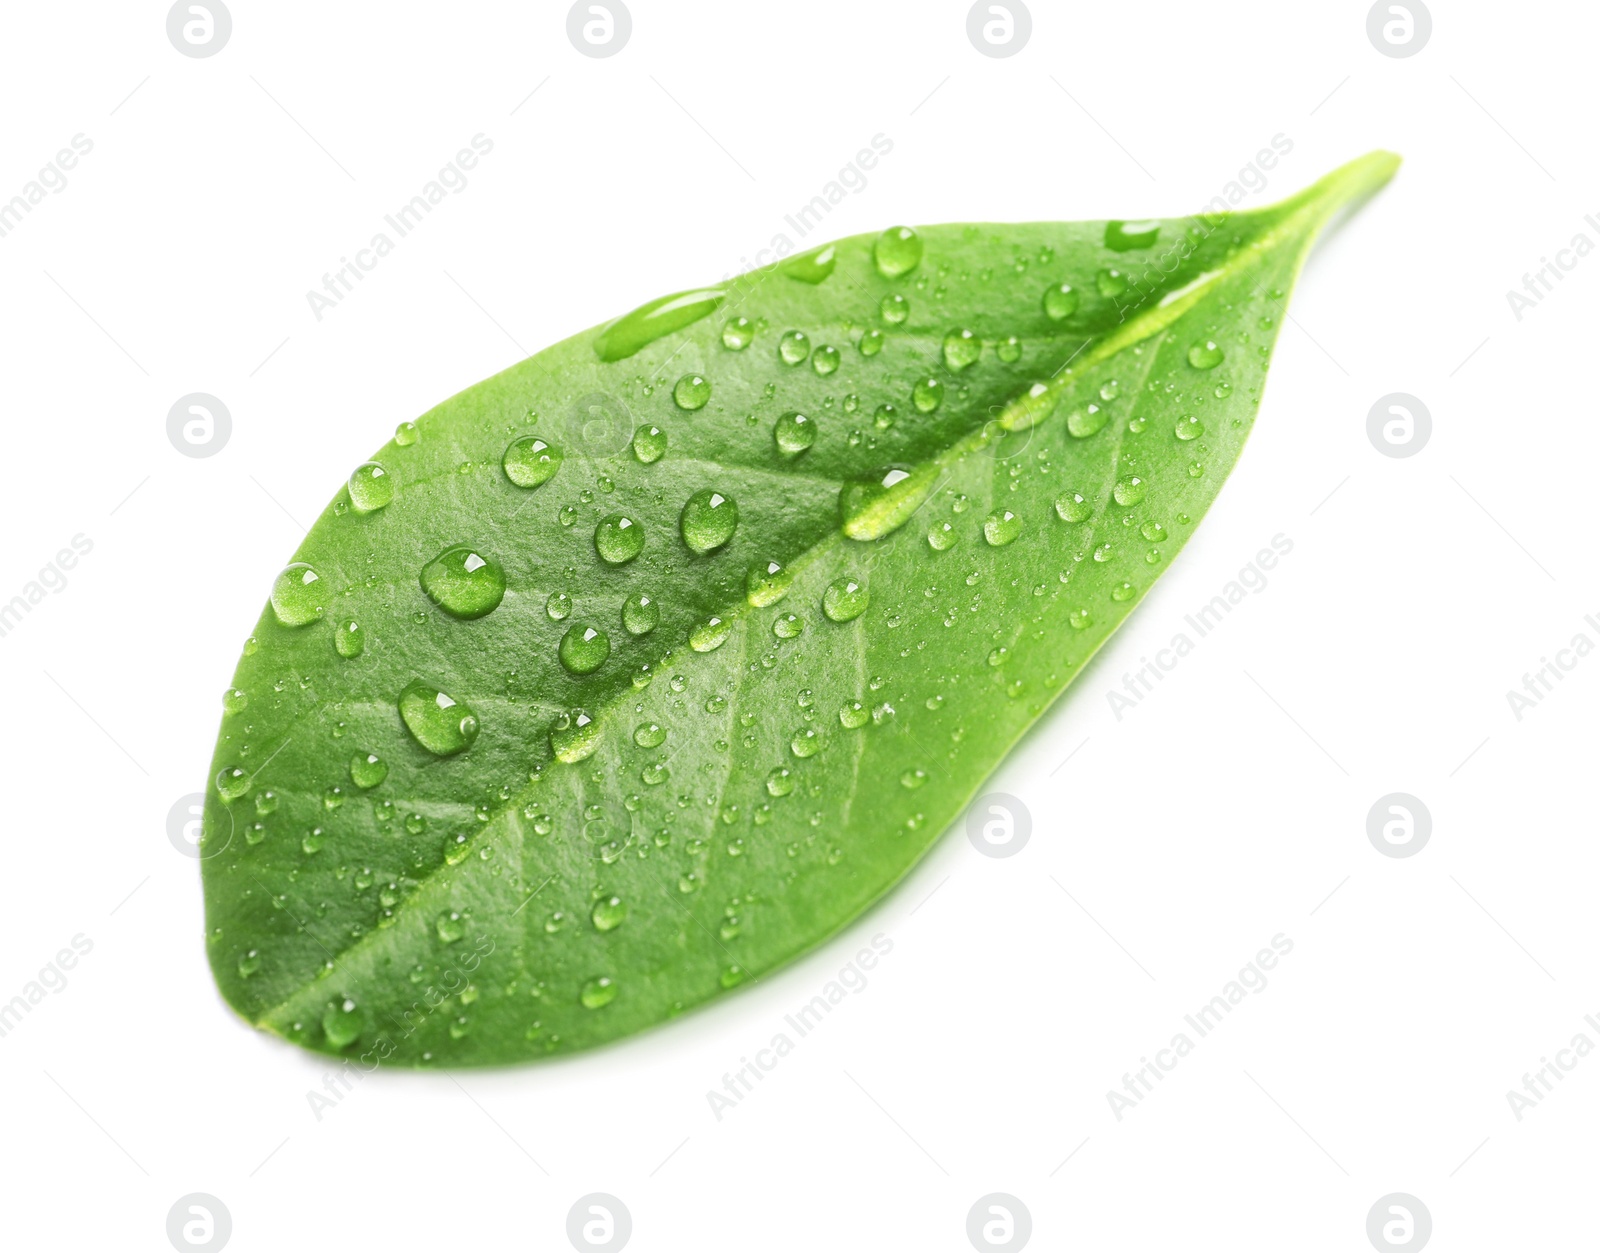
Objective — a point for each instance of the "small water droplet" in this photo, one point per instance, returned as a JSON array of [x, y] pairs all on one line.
[[806, 742], [927, 394], [1129, 491], [608, 913], [235, 700], [738, 334], [913, 778], [463, 583], [825, 360], [794, 347], [708, 520], [1009, 349], [343, 1024], [691, 392], [767, 583], [1072, 507], [853, 714], [649, 444], [618, 539], [367, 770], [573, 736], [1111, 283], [961, 349], [710, 635], [845, 599], [1060, 302], [440, 723], [1082, 423], [871, 344], [794, 433], [297, 595], [583, 649], [598, 993], [405, 434], [1001, 527], [897, 251], [1078, 619], [1189, 427], [232, 783], [787, 626], [1122, 591], [1206, 356], [640, 614], [941, 535], [371, 487], [530, 462], [450, 926]]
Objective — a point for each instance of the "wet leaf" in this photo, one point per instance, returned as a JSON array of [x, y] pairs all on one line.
[[635, 671]]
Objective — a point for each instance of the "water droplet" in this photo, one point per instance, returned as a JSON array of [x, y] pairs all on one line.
[[1001, 527], [853, 714], [1082, 423], [811, 267], [710, 635], [1153, 531], [266, 802], [343, 1024], [708, 521], [598, 993], [794, 433], [235, 700], [618, 539], [1128, 236], [961, 349], [997, 656], [1111, 283], [1189, 427], [1079, 618], [649, 444], [530, 462], [738, 334], [1009, 349], [649, 734], [1222, 391], [1103, 553], [871, 343], [940, 536], [1206, 356], [786, 626], [640, 614], [897, 251], [844, 599], [913, 778], [367, 770], [371, 487], [450, 926], [691, 392], [927, 394], [871, 508], [1060, 302], [573, 736], [456, 848], [405, 434], [1129, 491], [232, 783], [463, 583], [767, 583], [608, 913], [650, 322], [583, 650], [780, 781], [794, 347], [806, 742], [1122, 591], [349, 640], [297, 595], [249, 963], [895, 309], [439, 722], [567, 515], [825, 360], [1072, 507]]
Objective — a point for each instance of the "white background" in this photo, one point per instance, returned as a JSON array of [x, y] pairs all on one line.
[[1223, 810]]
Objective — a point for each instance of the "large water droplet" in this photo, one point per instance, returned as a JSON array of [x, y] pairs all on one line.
[[710, 635], [961, 349], [232, 783], [649, 735], [708, 521], [573, 736], [738, 334], [450, 926], [530, 462], [1189, 427], [583, 649], [927, 394], [463, 583], [1001, 527], [794, 433], [349, 640], [794, 347], [343, 1024], [845, 599], [780, 781], [1072, 507], [897, 251], [895, 309], [825, 360], [1128, 236], [640, 614], [811, 267], [608, 913], [767, 583], [297, 595], [871, 508], [806, 742], [853, 715], [598, 993], [1206, 356], [439, 722], [235, 700], [1082, 423], [371, 487], [649, 444], [649, 322], [1060, 302], [406, 434], [691, 392], [1129, 491], [618, 539]]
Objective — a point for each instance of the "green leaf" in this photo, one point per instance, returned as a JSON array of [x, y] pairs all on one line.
[[639, 669]]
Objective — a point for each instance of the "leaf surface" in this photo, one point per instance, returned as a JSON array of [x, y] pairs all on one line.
[[633, 672]]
